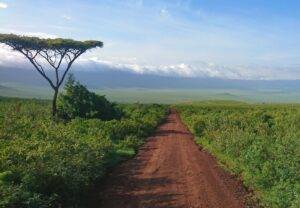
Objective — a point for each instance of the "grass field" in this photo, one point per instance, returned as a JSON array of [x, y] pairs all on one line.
[[131, 95], [55, 164], [260, 143]]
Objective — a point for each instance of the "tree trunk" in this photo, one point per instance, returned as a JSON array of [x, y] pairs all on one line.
[[54, 107]]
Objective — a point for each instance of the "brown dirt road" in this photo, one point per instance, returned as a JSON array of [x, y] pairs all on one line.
[[171, 171]]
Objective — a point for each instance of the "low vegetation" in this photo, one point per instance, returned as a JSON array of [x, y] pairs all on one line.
[[47, 163], [78, 101], [261, 143]]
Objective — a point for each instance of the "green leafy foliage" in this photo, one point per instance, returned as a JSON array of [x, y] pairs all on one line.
[[78, 101], [35, 43], [55, 164], [259, 142]]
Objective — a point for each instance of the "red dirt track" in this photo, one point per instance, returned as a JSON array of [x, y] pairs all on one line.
[[171, 171]]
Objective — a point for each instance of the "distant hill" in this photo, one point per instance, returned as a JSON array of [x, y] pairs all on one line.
[[105, 78]]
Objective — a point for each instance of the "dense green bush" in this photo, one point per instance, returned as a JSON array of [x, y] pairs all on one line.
[[199, 127], [78, 101], [54, 164], [259, 142]]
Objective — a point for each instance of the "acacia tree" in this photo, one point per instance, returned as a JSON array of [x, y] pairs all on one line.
[[57, 54]]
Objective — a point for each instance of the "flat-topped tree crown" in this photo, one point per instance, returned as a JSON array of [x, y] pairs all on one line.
[[34, 43], [56, 52]]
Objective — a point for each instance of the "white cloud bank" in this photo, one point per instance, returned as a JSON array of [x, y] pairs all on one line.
[[3, 5], [9, 58], [200, 69]]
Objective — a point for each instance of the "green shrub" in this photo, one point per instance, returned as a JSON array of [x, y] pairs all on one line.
[[199, 127], [78, 101]]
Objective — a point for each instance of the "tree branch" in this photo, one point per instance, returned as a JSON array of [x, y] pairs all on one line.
[[61, 58], [47, 58], [39, 68], [76, 55]]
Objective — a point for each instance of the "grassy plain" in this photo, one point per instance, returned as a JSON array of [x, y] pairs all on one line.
[[167, 96], [46, 163], [259, 142], [254, 134]]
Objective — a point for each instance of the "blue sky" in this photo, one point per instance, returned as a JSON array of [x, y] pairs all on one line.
[[251, 39]]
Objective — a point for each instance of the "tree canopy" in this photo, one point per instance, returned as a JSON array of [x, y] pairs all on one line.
[[18, 42]]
